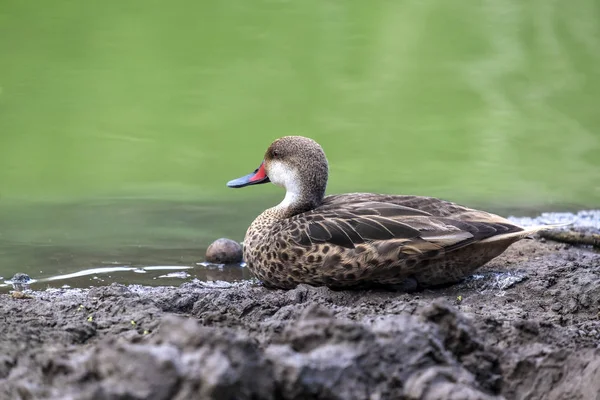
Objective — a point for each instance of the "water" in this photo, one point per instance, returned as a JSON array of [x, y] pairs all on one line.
[[149, 275], [120, 123], [116, 240]]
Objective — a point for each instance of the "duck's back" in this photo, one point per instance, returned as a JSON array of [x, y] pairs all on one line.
[[430, 205]]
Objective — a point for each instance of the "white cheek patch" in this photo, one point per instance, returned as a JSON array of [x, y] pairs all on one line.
[[281, 175]]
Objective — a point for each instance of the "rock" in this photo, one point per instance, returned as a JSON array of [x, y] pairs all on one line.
[[224, 251], [20, 278], [20, 281]]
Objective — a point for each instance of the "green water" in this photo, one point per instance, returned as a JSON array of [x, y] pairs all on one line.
[[121, 121]]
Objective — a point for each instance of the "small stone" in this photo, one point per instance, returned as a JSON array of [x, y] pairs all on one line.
[[20, 277], [531, 327], [20, 281], [572, 305], [224, 251], [556, 306], [19, 295], [585, 300]]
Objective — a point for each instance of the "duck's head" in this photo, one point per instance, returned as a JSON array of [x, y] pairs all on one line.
[[296, 163]]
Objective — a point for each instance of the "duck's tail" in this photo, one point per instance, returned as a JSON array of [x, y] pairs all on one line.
[[526, 233]]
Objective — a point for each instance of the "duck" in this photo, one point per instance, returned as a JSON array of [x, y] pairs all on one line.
[[352, 240]]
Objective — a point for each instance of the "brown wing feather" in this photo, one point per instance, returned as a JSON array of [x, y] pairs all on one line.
[[349, 224], [428, 205], [359, 207], [466, 233], [348, 232]]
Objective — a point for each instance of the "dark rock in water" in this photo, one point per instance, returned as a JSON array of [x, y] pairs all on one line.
[[224, 251], [20, 281], [20, 277]]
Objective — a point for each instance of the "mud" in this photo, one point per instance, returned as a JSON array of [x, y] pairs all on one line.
[[526, 327]]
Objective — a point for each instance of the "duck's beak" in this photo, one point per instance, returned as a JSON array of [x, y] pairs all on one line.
[[258, 176]]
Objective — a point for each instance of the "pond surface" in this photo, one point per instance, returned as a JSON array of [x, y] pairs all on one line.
[[120, 123]]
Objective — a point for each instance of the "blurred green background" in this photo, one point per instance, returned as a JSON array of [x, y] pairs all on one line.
[[121, 121]]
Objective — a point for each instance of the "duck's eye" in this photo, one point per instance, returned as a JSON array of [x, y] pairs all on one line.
[[275, 154]]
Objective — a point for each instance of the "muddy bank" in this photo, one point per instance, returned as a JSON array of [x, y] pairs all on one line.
[[532, 332]]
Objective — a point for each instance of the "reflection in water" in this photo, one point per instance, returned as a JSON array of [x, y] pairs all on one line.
[[149, 275]]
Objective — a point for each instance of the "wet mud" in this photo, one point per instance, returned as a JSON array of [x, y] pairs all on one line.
[[526, 327]]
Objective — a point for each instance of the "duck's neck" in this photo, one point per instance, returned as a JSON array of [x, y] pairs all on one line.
[[299, 199]]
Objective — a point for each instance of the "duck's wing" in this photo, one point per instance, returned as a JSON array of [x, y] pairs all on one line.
[[365, 222], [429, 205]]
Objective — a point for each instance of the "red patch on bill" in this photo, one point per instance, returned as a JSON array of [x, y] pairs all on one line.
[[260, 174]]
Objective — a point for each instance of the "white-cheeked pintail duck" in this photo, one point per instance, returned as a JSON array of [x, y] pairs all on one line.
[[361, 239]]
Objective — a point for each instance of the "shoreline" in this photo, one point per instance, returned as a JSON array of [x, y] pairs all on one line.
[[526, 326]]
